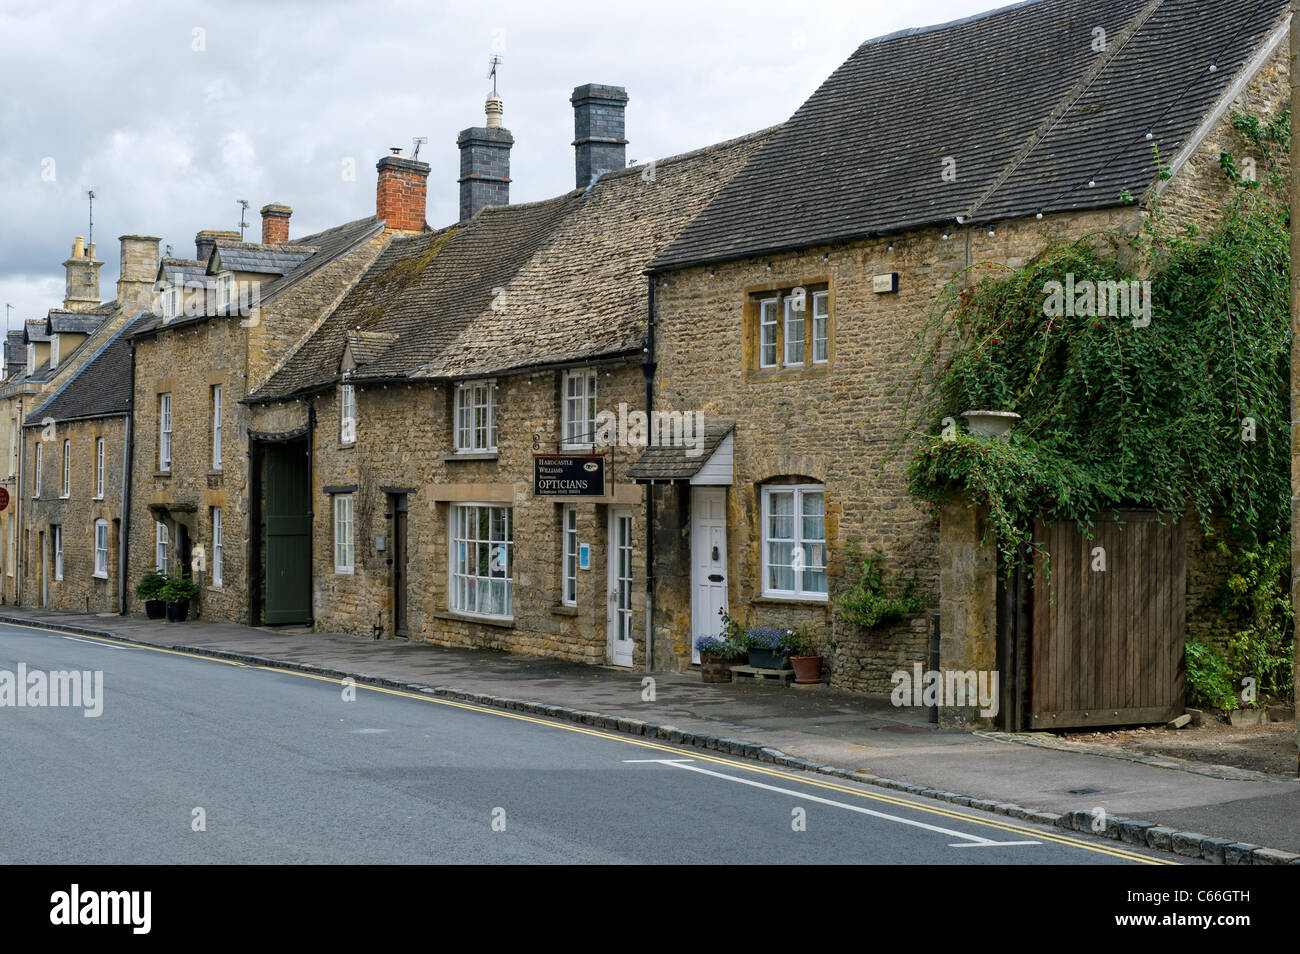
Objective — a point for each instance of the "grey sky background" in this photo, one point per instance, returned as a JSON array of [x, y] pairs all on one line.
[[269, 100]]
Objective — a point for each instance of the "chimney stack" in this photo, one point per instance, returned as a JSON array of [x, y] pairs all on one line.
[[275, 224], [598, 140], [81, 290], [135, 285], [485, 162], [206, 241], [401, 191]]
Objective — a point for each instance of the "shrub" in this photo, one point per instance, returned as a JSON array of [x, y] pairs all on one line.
[[179, 589], [873, 598], [150, 585], [1209, 677]]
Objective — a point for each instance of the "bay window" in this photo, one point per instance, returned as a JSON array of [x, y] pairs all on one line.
[[481, 561]]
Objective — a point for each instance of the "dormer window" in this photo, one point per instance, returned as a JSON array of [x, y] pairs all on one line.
[[225, 290], [348, 414], [171, 301]]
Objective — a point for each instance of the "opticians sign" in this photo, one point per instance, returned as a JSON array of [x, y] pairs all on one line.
[[568, 475]]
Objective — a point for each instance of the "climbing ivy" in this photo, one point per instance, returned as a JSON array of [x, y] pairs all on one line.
[[1184, 407]]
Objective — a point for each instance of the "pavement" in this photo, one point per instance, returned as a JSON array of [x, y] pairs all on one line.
[[193, 760], [857, 735]]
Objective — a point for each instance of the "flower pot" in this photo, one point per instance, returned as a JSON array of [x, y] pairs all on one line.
[[714, 668], [155, 609], [996, 424], [807, 669], [178, 612], [768, 659]]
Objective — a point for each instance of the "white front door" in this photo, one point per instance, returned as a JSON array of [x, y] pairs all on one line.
[[619, 629], [708, 562]]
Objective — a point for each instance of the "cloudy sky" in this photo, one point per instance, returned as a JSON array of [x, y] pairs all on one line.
[[173, 111]]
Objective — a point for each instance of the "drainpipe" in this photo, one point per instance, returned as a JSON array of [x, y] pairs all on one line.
[[311, 511], [648, 369], [1295, 348], [128, 455]]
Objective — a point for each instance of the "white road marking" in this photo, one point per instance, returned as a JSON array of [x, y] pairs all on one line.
[[974, 841], [88, 642]]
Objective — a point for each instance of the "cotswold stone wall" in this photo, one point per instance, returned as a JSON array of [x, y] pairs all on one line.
[[404, 444], [840, 424], [186, 362], [79, 590], [864, 660]]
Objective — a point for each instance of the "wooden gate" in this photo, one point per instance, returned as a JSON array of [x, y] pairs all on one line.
[[1107, 643]]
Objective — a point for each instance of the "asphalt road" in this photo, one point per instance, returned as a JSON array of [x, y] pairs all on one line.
[[285, 770]]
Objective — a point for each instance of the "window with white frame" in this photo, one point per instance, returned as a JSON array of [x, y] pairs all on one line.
[[578, 419], [54, 351], [216, 427], [160, 547], [795, 310], [821, 329], [476, 423], [348, 414], [225, 289], [767, 333], [165, 432], [36, 482], [101, 549], [58, 552], [171, 299], [570, 556], [13, 447], [344, 551], [67, 469], [482, 560], [794, 541], [99, 468], [216, 546]]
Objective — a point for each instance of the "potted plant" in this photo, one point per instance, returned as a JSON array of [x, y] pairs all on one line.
[[768, 646], [714, 653], [177, 593], [807, 664], [734, 634], [149, 589]]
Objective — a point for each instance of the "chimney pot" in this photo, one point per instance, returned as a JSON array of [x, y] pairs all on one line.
[[275, 223], [598, 141], [81, 284]]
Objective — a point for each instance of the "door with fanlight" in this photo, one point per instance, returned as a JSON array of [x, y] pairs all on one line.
[[619, 632]]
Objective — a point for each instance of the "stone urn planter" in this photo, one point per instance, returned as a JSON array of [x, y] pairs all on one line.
[[992, 424]]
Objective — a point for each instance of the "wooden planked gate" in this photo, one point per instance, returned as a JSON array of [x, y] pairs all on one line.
[[1107, 645]]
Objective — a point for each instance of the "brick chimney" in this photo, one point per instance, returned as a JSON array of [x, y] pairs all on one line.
[[206, 241], [135, 285], [485, 162], [82, 278], [401, 191], [598, 140], [275, 224]]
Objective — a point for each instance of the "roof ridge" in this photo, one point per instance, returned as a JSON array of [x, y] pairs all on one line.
[[938, 27], [694, 153]]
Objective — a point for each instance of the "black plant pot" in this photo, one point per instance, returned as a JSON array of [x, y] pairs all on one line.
[[155, 609], [178, 612]]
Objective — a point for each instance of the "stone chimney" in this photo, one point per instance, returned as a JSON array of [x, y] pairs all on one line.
[[135, 285], [598, 140], [275, 224], [401, 191], [82, 284], [206, 241], [485, 162]]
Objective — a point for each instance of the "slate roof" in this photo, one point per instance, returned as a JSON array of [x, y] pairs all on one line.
[[34, 330], [73, 322], [1017, 98], [321, 249], [189, 269], [675, 463], [278, 259], [15, 352], [517, 286], [101, 387]]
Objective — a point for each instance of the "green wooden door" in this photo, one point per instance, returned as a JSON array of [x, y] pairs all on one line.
[[288, 534]]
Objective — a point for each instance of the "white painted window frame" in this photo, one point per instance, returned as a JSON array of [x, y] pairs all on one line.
[[462, 568], [766, 325], [578, 397], [67, 470], [821, 312], [101, 565], [165, 432], [475, 417], [799, 491], [99, 468], [344, 534], [569, 556], [347, 414], [216, 427], [58, 552], [218, 552], [160, 546]]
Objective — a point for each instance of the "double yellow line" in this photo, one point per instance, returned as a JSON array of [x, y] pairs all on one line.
[[757, 769]]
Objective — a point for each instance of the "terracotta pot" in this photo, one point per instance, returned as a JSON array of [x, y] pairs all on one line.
[[714, 668], [807, 669]]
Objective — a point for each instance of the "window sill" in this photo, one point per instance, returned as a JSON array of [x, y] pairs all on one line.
[[788, 600], [471, 455], [99, 497], [348, 446], [215, 471], [65, 496], [100, 576], [577, 448], [344, 570], [564, 609], [505, 622], [162, 473]]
